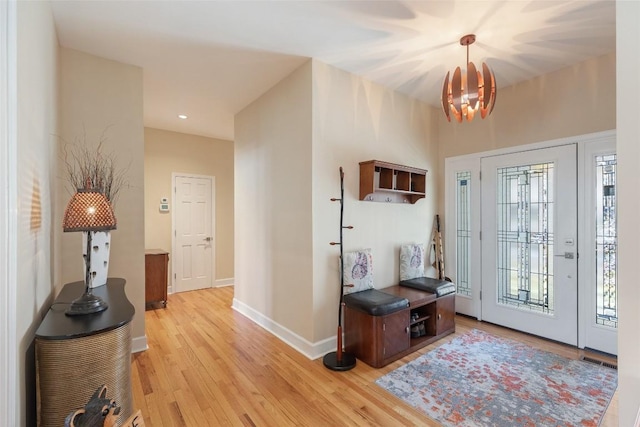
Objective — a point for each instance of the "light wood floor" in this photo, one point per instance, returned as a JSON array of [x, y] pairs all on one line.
[[210, 366]]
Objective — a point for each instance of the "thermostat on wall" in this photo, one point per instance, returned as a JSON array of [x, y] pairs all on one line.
[[164, 204]]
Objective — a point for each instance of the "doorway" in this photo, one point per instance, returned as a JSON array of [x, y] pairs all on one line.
[[530, 238], [193, 232]]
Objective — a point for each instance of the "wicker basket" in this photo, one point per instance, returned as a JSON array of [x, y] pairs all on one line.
[[69, 372]]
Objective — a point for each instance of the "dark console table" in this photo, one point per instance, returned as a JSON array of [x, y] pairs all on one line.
[[77, 354]]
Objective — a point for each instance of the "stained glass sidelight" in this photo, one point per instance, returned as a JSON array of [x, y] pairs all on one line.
[[463, 232], [606, 242], [525, 237]]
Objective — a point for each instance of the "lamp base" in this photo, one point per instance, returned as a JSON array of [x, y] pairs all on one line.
[[331, 361], [86, 304]]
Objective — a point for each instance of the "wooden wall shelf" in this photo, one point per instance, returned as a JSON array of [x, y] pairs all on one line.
[[391, 183]]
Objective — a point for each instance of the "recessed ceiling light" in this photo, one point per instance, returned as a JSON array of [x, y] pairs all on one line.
[[182, 116]]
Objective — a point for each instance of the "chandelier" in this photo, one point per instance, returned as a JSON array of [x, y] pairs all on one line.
[[469, 92]]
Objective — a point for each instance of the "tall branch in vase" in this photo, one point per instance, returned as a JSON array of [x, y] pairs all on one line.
[[339, 360], [90, 167]]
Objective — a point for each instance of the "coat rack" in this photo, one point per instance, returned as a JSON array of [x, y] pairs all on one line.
[[339, 360]]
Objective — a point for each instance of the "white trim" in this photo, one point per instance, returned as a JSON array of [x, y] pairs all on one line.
[[174, 176], [139, 344], [8, 215], [220, 283], [311, 350]]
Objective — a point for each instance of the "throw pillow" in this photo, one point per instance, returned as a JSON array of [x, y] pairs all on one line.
[[411, 261], [358, 271]]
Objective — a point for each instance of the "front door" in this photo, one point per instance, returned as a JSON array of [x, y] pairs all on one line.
[[193, 234], [529, 242]]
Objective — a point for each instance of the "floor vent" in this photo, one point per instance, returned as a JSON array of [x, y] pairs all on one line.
[[599, 362]]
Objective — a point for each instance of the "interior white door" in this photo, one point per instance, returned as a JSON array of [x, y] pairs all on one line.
[[599, 248], [529, 248], [193, 233]]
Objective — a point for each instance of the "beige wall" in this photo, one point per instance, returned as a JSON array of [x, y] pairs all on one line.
[[628, 135], [354, 121], [96, 93], [167, 152], [577, 100], [37, 75], [273, 216], [290, 144]]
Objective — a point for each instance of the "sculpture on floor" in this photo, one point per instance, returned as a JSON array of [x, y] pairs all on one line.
[[99, 411]]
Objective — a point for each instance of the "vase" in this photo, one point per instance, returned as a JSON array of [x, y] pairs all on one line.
[[100, 245]]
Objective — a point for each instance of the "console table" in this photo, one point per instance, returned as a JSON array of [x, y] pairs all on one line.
[[77, 354], [379, 338]]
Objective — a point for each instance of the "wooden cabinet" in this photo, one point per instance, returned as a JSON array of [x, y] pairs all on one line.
[[156, 264], [445, 314], [380, 340], [388, 182], [376, 340]]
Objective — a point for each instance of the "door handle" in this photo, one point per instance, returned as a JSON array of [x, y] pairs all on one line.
[[566, 255], [208, 239]]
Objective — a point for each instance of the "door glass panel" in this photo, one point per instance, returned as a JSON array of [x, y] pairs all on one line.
[[463, 233], [606, 242], [525, 237]]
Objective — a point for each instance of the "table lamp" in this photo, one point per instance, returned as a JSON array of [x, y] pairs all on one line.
[[90, 211]]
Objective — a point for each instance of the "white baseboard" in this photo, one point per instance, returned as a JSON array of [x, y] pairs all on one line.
[[309, 349], [217, 284], [223, 282], [139, 344]]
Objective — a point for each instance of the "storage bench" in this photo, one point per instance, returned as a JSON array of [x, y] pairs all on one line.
[[378, 322]]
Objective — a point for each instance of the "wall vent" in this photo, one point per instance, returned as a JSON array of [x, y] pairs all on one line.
[[599, 362]]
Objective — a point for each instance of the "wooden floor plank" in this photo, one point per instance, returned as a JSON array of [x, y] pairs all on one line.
[[209, 365]]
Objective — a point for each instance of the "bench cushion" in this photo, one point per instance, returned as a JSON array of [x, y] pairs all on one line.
[[435, 286], [375, 302]]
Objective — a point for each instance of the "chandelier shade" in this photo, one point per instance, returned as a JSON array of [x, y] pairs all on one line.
[[468, 91]]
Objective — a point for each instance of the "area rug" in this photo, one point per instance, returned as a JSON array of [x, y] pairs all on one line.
[[478, 380]]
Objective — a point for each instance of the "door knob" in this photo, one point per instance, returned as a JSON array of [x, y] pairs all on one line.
[[208, 239]]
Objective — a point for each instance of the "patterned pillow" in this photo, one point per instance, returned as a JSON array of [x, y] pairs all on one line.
[[411, 261], [358, 271]]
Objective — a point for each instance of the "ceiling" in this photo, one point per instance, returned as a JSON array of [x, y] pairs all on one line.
[[210, 59]]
